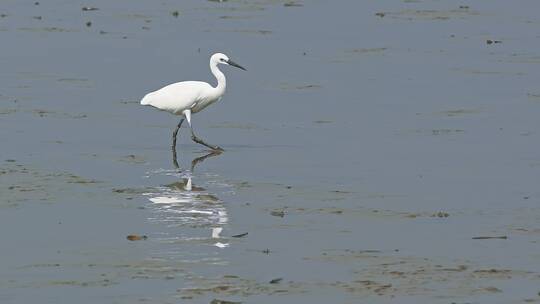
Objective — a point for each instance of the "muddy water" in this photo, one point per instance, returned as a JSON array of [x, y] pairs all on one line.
[[368, 146]]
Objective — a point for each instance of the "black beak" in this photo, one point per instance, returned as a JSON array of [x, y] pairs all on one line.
[[234, 64]]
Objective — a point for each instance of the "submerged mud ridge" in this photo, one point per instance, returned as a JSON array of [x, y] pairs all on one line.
[[22, 183], [232, 285], [377, 274], [396, 275], [461, 12]]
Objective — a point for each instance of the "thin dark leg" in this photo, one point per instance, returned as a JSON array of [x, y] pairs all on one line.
[[175, 132], [200, 141], [175, 162]]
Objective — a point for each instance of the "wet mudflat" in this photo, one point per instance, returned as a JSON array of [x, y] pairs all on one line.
[[377, 151]]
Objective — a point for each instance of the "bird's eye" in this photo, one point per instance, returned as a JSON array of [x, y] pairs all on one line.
[[222, 59]]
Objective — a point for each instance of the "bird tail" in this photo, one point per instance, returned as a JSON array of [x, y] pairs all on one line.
[[146, 100]]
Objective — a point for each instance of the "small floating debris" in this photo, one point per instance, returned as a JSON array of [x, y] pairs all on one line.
[[135, 159], [367, 50], [240, 235], [492, 289], [292, 4], [129, 102], [309, 86], [89, 9], [457, 269], [489, 41], [446, 131], [459, 112], [463, 7], [502, 237], [380, 14], [135, 237], [337, 211], [216, 301], [88, 24], [52, 29], [175, 14], [493, 271], [275, 281], [278, 212], [288, 86], [340, 191], [440, 214]]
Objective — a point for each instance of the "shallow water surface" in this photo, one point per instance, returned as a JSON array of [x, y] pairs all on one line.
[[376, 151]]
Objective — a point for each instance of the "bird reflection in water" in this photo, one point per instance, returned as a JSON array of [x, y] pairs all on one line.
[[184, 205]]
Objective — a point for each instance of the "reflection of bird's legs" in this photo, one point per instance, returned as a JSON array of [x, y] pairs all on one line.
[[187, 114], [175, 132], [175, 162], [197, 160]]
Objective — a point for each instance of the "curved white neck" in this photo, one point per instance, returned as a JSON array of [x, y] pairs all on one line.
[[220, 77]]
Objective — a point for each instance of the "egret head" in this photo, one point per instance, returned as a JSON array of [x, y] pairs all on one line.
[[220, 58]]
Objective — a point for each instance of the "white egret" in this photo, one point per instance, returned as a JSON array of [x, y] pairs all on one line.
[[187, 97]]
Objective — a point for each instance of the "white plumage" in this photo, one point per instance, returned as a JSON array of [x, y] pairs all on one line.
[[180, 96], [184, 98]]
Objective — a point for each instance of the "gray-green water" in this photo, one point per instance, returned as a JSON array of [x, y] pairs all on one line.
[[366, 146]]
